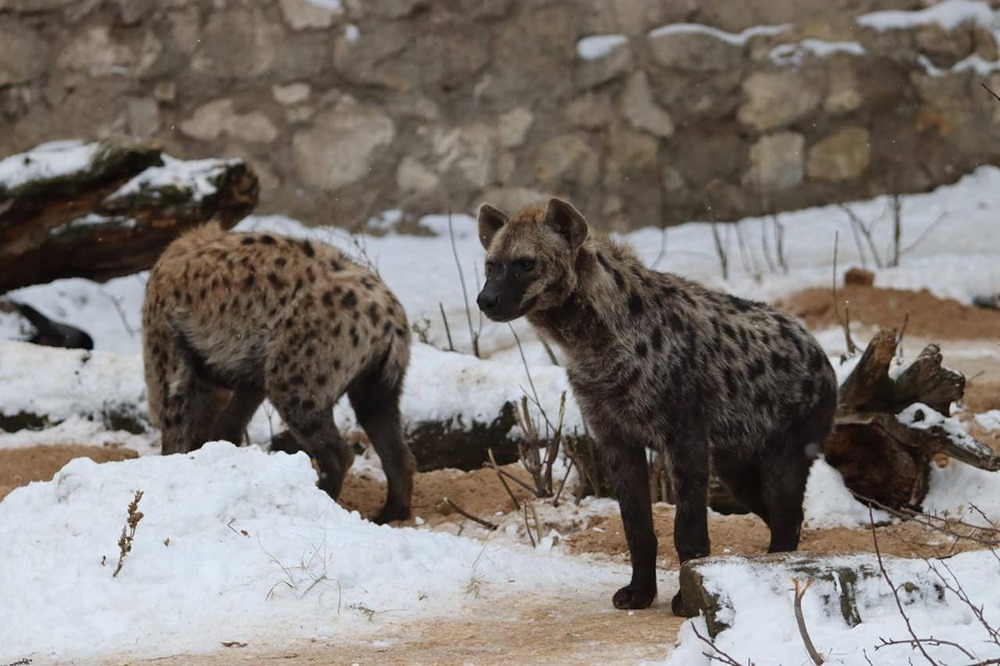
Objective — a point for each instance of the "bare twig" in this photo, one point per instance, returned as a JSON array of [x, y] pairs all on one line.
[[800, 620], [473, 335], [779, 233], [447, 329], [990, 91], [485, 523], [844, 322], [663, 248], [861, 229], [895, 595], [718, 654], [500, 475], [897, 228], [720, 251]]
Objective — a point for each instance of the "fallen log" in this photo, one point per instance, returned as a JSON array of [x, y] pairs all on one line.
[[108, 209], [888, 430]]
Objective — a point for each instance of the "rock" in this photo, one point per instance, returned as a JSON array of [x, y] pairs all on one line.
[[412, 176], [513, 126], [22, 54], [259, 41], [590, 110], [777, 99], [466, 154], [843, 155], [944, 47], [165, 91], [695, 52], [340, 145], [641, 111], [843, 94], [214, 119], [96, 54], [566, 159], [777, 161], [712, 585], [303, 14], [595, 72], [143, 117], [292, 93]]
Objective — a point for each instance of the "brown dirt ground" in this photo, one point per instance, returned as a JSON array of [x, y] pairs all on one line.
[[543, 631]]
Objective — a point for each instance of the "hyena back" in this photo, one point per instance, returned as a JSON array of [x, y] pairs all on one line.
[[657, 361], [232, 318]]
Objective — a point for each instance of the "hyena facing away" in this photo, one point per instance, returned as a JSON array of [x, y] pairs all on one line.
[[657, 361], [232, 318]]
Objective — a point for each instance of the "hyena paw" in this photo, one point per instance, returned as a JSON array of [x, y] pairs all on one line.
[[633, 596], [390, 514], [679, 609]]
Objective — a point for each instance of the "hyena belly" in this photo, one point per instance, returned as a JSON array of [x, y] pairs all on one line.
[[231, 319], [659, 362]]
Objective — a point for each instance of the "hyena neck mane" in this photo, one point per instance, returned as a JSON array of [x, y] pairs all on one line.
[[612, 293]]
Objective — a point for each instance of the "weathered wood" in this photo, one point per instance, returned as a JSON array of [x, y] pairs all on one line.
[[78, 225], [882, 458]]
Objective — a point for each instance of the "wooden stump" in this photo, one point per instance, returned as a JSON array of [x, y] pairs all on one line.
[[887, 458]]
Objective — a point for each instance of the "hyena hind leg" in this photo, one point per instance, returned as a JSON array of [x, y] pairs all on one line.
[[743, 479], [784, 485], [375, 401], [187, 406], [231, 423]]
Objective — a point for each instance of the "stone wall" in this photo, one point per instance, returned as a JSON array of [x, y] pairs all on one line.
[[346, 110]]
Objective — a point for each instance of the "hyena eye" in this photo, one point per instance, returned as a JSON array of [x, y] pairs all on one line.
[[526, 265]]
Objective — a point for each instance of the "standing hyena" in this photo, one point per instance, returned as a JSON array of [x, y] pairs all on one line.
[[230, 319], [657, 361]]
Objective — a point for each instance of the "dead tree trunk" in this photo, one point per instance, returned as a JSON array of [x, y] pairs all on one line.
[[110, 213], [884, 457]]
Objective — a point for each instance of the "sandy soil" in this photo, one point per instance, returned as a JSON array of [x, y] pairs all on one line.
[[545, 630]]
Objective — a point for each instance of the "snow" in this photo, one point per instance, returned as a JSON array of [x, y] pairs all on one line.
[[234, 544], [737, 39], [949, 14], [596, 47], [47, 161], [308, 569], [193, 177], [762, 622], [793, 54]]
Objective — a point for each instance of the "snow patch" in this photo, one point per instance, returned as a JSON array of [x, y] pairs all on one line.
[[596, 47], [737, 39], [56, 159]]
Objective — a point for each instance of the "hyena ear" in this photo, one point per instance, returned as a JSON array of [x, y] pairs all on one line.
[[490, 221], [565, 220]]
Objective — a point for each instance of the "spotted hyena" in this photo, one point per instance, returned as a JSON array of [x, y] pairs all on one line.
[[232, 318], [658, 361]]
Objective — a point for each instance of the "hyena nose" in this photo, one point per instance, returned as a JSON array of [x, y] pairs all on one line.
[[487, 302]]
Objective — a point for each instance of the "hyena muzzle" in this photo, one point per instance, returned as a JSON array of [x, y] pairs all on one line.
[[232, 318], [658, 362]]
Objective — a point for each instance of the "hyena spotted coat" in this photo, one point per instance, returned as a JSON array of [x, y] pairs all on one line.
[[232, 318], [658, 361]]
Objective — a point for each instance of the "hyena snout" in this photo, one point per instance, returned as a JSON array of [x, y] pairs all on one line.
[[499, 302]]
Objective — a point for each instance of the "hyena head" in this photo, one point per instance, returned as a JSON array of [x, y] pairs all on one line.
[[530, 258]]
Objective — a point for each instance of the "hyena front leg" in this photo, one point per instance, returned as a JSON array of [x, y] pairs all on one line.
[[688, 466], [626, 461], [312, 427], [376, 404]]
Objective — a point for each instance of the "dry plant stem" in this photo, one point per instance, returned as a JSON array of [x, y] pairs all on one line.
[[500, 475], [800, 620], [897, 228], [860, 229], [899, 337], [779, 232], [485, 523], [447, 329], [985, 536], [991, 92], [844, 323], [473, 336], [720, 250], [956, 588], [895, 595], [128, 531], [663, 248], [718, 655]]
